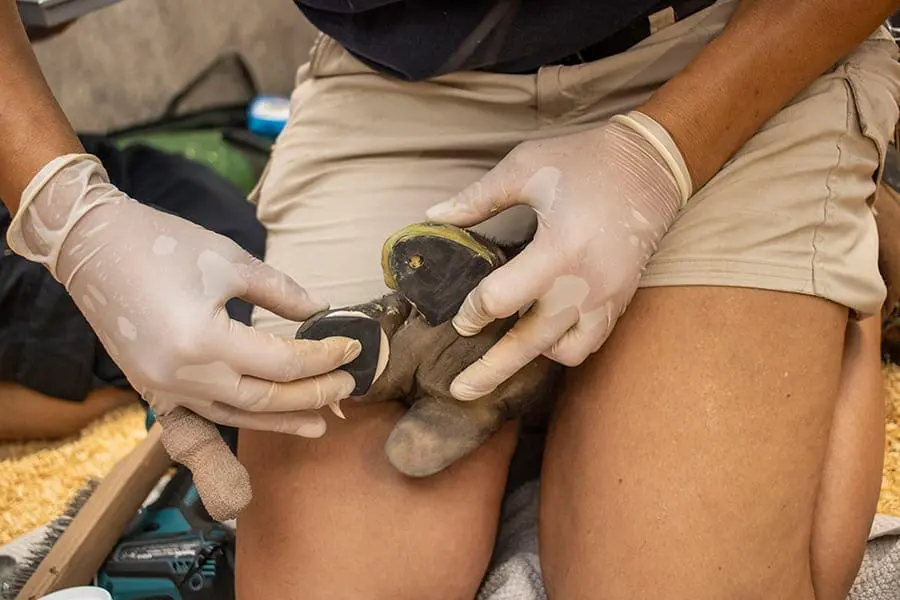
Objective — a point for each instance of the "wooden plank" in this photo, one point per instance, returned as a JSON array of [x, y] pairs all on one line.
[[81, 550]]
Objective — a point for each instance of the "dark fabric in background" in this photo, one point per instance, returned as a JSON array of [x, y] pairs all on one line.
[[45, 342]]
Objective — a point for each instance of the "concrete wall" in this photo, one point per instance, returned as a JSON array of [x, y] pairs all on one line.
[[123, 63]]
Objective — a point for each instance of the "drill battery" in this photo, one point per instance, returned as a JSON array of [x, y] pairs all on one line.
[[173, 550]]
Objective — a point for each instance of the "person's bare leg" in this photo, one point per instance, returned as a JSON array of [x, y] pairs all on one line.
[[851, 479], [686, 457], [30, 415], [335, 520]]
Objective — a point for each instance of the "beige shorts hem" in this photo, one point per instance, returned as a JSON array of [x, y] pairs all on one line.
[[739, 274]]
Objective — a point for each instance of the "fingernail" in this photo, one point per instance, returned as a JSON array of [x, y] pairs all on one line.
[[311, 428], [336, 409], [440, 210], [463, 327], [463, 391], [352, 350], [318, 302], [349, 384]]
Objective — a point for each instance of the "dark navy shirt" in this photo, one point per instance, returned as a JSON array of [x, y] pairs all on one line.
[[417, 39]]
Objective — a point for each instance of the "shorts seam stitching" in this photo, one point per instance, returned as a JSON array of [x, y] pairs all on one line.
[[734, 273], [727, 267], [829, 187]]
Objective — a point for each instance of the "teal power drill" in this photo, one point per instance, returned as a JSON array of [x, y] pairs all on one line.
[[173, 550]]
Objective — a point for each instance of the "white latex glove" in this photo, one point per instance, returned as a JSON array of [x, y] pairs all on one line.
[[604, 198], [154, 286]]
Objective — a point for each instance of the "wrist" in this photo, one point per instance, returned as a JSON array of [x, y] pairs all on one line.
[[659, 138]]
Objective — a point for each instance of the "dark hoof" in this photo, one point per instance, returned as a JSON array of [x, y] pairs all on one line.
[[435, 266]]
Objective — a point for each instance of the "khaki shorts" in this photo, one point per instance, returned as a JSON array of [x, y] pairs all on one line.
[[364, 155]]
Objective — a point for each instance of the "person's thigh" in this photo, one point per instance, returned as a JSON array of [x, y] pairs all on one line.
[[362, 157], [685, 458]]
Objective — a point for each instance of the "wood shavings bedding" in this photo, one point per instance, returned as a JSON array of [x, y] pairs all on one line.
[[889, 500], [37, 479]]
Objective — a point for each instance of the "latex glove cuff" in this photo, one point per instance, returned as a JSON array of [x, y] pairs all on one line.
[[657, 136], [53, 203]]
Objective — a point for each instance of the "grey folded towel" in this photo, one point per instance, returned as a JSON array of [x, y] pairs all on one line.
[[516, 572], [879, 576]]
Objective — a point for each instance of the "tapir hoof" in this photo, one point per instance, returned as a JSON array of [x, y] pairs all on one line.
[[434, 434], [435, 266]]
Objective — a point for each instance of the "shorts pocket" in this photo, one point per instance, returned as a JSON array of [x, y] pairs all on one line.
[[872, 74]]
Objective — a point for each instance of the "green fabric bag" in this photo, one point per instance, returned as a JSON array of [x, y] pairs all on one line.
[[207, 146]]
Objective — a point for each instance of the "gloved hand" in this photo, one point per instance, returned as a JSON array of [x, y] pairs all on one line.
[[154, 286], [604, 198]]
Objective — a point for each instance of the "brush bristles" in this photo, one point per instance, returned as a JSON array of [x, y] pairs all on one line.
[[30, 563]]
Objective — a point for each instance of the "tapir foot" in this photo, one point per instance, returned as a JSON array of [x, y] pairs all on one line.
[[435, 433]]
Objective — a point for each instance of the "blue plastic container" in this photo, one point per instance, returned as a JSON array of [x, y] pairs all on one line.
[[267, 115]]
